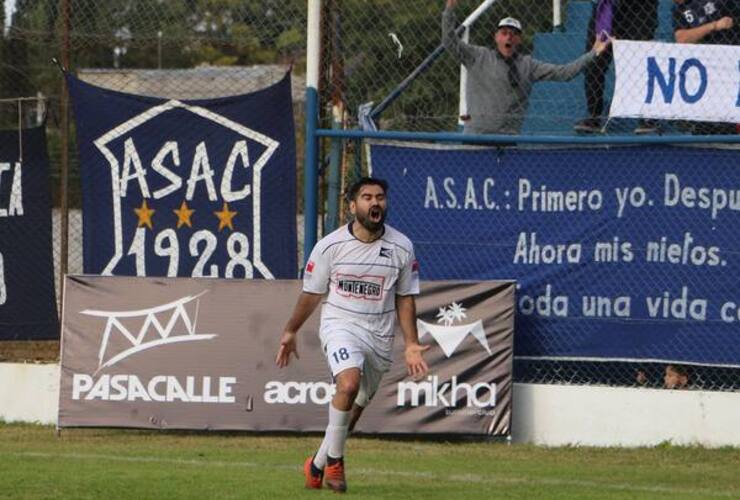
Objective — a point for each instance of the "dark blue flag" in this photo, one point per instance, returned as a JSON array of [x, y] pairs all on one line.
[[187, 188], [626, 253], [28, 308]]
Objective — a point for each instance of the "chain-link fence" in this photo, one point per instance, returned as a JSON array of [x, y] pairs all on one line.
[[371, 50], [604, 288], [178, 49], [192, 49], [371, 47]]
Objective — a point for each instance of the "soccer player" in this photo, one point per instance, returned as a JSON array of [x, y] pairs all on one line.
[[365, 273]]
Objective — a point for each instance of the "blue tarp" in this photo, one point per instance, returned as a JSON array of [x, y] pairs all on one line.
[[620, 253]]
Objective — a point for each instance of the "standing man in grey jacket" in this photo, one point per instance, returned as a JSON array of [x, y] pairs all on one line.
[[500, 79]]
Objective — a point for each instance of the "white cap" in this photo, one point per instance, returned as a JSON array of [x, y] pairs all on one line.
[[510, 22]]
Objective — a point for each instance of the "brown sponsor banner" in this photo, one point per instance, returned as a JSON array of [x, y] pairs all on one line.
[[184, 353]]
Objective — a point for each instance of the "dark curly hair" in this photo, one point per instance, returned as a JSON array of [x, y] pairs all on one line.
[[354, 189]]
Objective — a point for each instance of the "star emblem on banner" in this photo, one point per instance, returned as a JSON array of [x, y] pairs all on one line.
[[183, 215], [144, 213], [224, 217]]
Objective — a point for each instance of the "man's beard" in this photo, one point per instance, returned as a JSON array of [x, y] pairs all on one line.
[[368, 223]]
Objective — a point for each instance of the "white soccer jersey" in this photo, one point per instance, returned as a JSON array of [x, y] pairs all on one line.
[[362, 281]]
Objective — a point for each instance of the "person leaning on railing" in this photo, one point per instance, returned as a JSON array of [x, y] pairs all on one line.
[[713, 22], [500, 79]]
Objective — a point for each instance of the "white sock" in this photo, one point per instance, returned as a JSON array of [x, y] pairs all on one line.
[[335, 437], [319, 460]]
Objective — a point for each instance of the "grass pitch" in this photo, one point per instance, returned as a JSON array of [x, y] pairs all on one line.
[[90, 463]]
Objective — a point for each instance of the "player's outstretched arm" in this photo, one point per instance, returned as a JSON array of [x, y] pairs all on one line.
[[307, 303], [413, 353]]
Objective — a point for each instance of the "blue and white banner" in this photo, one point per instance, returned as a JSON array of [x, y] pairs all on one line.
[[28, 309], [619, 253], [676, 81], [187, 188]]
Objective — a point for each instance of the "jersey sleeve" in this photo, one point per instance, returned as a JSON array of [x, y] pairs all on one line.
[[408, 279], [317, 273], [679, 19]]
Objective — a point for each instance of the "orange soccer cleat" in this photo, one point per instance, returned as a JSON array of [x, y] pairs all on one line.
[[313, 480], [334, 475]]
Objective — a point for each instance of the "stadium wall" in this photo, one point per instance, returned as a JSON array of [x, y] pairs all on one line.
[[29, 392], [548, 415]]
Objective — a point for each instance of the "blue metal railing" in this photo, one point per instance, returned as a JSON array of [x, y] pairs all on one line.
[[456, 137]]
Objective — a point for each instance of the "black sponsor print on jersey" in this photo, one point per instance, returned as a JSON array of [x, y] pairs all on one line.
[[365, 287], [386, 252]]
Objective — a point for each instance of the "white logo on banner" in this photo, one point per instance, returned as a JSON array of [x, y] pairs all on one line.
[[449, 336], [201, 171], [13, 206], [676, 81], [480, 397], [433, 393], [294, 393], [165, 333]]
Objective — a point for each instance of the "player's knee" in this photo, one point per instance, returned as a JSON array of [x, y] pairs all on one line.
[[349, 387]]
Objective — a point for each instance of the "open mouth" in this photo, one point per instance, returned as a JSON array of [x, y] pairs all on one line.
[[376, 214]]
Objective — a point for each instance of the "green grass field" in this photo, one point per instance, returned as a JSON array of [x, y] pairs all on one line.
[[103, 464]]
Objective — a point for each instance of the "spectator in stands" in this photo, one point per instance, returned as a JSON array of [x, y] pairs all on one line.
[[621, 19], [708, 21], [676, 377], [500, 79], [715, 22], [641, 377]]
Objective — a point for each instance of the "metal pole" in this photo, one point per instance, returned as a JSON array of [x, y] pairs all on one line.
[[311, 164], [335, 161], [427, 62], [159, 49], [463, 99], [557, 16], [337, 110], [64, 168], [457, 137]]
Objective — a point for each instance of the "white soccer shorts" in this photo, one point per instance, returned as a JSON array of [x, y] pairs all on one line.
[[345, 350]]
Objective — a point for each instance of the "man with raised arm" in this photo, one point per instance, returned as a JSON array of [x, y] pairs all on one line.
[[500, 79], [366, 274]]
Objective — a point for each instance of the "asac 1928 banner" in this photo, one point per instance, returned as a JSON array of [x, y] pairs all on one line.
[[199, 354], [187, 188], [28, 307]]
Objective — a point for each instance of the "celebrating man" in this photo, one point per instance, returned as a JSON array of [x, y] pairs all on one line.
[[500, 79], [367, 273]]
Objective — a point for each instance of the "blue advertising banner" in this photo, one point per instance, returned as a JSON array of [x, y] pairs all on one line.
[[28, 309], [187, 188], [626, 253]]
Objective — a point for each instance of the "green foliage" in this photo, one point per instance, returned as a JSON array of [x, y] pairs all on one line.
[[290, 41], [132, 34]]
